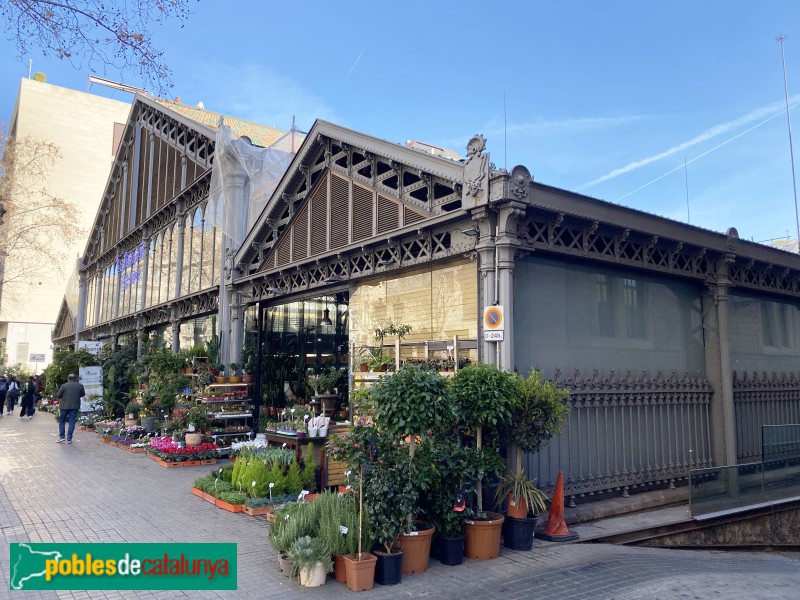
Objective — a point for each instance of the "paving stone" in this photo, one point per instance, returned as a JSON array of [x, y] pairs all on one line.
[[92, 492]]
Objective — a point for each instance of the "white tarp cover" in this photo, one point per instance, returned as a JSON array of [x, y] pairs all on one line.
[[262, 169]]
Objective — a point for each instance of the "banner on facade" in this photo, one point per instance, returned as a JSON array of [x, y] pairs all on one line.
[[89, 346]]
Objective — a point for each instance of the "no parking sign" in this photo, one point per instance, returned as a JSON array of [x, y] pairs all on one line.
[[494, 323]]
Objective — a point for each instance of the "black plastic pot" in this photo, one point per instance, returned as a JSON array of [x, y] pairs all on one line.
[[518, 533], [389, 568], [451, 550]]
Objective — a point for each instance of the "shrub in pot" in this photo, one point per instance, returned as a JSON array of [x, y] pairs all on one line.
[[311, 560], [455, 468], [289, 524], [413, 404], [390, 497], [338, 526], [485, 397], [537, 415]]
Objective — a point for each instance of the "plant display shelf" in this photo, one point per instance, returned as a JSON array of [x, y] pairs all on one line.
[[237, 420]]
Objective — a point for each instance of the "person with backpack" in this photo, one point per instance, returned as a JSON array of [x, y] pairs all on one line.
[[12, 396], [28, 395], [3, 392]]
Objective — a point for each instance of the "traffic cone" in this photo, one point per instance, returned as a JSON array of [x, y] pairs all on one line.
[[556, 529]]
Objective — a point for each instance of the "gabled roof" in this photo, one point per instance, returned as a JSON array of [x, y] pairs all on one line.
[[306, 165], [204, 125], [260, 135]]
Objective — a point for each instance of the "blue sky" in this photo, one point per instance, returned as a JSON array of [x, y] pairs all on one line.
[[604, 98]]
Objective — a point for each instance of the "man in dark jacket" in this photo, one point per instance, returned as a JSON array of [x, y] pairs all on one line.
[[69, 395], [28, 399]]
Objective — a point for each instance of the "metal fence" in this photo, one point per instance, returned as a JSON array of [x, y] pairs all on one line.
[[627, 432], [761, 399]]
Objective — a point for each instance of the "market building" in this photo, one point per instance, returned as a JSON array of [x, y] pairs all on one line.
[[677, 342]]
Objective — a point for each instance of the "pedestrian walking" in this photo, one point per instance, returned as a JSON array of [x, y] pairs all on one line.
[[28, 399], [69, 396], [12, 396], [3, 392]]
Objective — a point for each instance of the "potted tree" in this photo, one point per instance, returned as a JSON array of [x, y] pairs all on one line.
[[355, 450], [485, 397], [456, 467], [537, 415], [409, 405]]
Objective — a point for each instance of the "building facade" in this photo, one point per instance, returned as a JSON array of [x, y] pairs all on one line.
[[85, 129], [676, 342]]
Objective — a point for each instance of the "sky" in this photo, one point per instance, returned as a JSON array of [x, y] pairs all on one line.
[[676, 108]]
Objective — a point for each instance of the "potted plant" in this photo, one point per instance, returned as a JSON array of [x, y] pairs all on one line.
[[485, 397], [234, 375], [248, 366], [218, 369], [537, 415], [196, 420], [311, 558], [456, 467], [339, 527], [377, 361], [132, 410], [390, 498]]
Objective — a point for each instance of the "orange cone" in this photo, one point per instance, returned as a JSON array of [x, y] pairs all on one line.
[[556, 529]]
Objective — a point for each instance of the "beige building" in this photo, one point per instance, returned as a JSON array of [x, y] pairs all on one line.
[[85, 128]]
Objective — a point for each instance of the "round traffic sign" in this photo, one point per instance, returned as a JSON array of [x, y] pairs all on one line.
[[493, 318]]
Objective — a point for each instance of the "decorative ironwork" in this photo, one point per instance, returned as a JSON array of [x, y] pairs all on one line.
[[762, 399], [556, 232], [626, 432]]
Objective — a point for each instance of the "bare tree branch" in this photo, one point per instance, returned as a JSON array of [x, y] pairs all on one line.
[[99, 33], [38, 225]]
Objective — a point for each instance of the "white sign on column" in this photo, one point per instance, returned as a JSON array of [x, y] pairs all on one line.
[[92, 380]]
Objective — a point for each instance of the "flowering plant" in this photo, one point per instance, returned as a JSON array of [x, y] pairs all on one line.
[[168, 450], [326, 379]]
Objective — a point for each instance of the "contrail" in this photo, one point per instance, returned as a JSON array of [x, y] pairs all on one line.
[[355, 64], [706, 135], [698, 157]]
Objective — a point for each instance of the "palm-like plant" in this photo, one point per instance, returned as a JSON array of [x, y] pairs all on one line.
[[523, 491]]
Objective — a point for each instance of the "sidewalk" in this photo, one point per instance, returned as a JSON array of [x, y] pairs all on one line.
[[91, 492]]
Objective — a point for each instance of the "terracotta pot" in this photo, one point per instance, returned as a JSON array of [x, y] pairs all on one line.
[[360, 573], [220, 379], [517, 510], [247, 379], [339, 569], [363, 368], [482, 538], [416, 550], [234, 379]]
